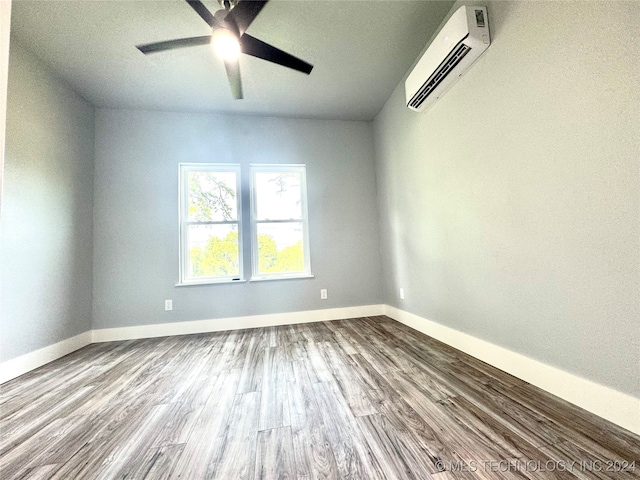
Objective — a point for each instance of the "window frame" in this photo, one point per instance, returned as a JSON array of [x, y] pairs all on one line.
[[254, 221], [183, 221]]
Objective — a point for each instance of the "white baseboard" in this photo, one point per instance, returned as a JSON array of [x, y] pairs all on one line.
[[30, 361], [615, 406], [234, 323]]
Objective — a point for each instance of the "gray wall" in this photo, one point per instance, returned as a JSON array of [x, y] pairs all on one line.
[[136, 224], [45, 283], [511, 210]]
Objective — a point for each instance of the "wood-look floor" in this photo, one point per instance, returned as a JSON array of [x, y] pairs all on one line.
[[364, 398]]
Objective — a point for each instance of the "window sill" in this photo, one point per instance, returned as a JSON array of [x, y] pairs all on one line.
[[209, 282], [280, 277]]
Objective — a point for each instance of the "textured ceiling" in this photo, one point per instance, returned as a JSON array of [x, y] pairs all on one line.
[[360, 50]]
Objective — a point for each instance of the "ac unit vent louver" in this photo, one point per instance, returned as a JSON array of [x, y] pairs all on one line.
[[459, 43], [439, 75]]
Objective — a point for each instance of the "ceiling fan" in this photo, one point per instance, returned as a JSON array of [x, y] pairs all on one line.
[[229, 39]]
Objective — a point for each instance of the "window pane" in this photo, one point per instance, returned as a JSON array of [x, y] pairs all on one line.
[[212, 196], [278, 195], [280, 247], [213, 251]]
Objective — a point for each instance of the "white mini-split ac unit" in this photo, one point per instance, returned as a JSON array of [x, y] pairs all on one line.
[[461, 41]]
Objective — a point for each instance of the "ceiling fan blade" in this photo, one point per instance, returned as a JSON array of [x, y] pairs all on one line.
[[257, 48], [233, 74], [204, 13], [245, 12], [171, 44]]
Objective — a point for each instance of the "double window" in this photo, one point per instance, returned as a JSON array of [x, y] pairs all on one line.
[[212, 223]]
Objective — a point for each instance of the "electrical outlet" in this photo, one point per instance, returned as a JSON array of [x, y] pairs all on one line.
[[168, 305], [402, 294], [323, 294]]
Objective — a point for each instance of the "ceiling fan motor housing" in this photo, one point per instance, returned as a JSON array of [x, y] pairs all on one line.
[[228, 4]]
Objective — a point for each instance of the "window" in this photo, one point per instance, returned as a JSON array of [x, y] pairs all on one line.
[[211, 223], [210, 226], [279, 225]]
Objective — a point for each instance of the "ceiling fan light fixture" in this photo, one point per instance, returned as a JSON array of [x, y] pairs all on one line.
[[225, 44]]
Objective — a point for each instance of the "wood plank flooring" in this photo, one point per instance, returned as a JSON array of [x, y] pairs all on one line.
[[365, 398]]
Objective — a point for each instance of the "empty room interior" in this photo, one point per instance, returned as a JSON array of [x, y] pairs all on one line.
[[319, 239]]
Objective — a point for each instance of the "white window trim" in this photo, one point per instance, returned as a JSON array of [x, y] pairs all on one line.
[[302, 170], [183, 222]]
